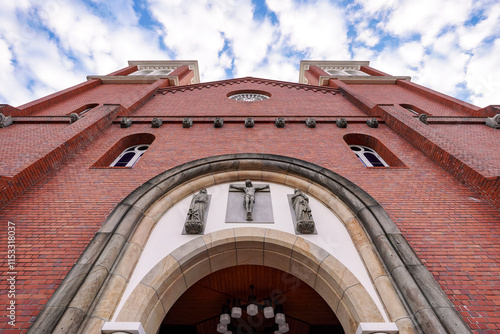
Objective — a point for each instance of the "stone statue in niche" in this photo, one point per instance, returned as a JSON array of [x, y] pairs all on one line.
[[195, 222], [156, 122], [249, 191], [341, 122], [300, 203]]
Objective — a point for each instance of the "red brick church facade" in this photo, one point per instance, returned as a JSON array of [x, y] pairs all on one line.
[[441, 186]]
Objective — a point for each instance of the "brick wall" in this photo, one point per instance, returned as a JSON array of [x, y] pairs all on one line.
[[452, 228]]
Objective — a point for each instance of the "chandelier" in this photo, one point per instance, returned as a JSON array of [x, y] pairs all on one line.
[[269, 308]]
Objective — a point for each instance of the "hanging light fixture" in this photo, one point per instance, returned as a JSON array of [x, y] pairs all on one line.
[[252, 308], [225, 318], [236, 311], [280, 316], [270, 310]]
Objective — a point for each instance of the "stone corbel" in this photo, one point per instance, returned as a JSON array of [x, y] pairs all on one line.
[[493, 122], [5, 121], [126, 122], [341, 123], [156, 122], [187, 122]]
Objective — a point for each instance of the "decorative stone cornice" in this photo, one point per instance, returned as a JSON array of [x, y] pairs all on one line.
[[382, 80], [223, 83], [305, 64]]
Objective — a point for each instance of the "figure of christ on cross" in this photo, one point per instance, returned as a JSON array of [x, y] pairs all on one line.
[[249, 191]]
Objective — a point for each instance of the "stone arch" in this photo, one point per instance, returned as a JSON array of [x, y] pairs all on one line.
[[173, 275], [89, 295]]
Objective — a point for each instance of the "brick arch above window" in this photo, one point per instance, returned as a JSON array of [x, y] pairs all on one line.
[[360, 139], [135, 140]]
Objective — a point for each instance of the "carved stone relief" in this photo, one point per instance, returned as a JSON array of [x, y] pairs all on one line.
[[249, 203], [493, 122], [310, 122], [249, 122], [126, 122], [5, 121], [187, 122], [372, 123], [218, 122], [156, 122], [280, 122], [341, 123]]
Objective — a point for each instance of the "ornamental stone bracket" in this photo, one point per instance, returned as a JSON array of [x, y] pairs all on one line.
[[249, 122], [156, 122], [218, 122], [187, 122], [493, 122], [125, 122], [310, 122], [5, 121], [341, 123]]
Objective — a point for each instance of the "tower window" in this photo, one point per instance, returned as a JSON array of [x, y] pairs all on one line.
[[368, 156], [130, 156]]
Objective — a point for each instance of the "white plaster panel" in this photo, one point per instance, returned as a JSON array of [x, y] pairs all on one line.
[[332, 235]]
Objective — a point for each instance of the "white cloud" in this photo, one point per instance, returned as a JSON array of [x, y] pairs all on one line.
[[49, 45], [482, 76], [472, 36], [428, 18], [322, 36]]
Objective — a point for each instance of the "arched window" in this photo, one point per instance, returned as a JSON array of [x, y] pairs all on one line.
[[368, 156], [130, 156]]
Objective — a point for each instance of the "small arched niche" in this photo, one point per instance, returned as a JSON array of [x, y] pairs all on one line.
[[124, 143], [83, 109], [373, 143], [414, 110]]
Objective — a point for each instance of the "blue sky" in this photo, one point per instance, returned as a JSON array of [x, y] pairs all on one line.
[[452, 46]]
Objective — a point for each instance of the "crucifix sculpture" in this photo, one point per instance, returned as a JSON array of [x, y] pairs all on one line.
[[249, 191]]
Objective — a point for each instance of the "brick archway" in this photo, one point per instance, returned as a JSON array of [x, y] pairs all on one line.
[[89, 295]]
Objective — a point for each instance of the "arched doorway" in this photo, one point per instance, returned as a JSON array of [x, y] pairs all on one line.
[[197, 310]]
